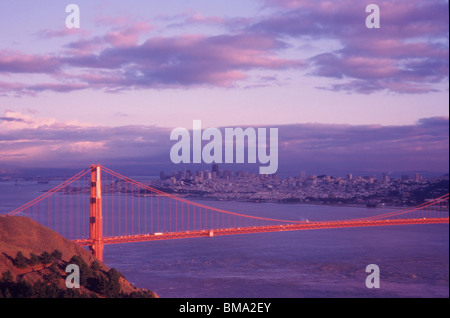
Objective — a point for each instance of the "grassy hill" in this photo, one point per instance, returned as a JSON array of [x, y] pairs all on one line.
[[33, 260]]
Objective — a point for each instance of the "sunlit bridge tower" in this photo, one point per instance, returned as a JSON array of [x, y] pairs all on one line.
[[96, 220]]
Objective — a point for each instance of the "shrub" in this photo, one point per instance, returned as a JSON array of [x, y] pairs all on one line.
[[57, 254], [85, 271], [95, 266], [34, 259], [46, 258], [7, 277], [20, 261], [114, 284]]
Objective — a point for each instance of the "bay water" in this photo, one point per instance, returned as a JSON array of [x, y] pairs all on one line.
[[413, 259]]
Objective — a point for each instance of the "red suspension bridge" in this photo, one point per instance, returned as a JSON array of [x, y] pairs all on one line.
[[99, 206]]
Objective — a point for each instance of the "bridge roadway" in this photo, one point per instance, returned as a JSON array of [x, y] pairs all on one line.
[[259, 229]]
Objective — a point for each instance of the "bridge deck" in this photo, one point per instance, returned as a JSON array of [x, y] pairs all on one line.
[[259, 229]]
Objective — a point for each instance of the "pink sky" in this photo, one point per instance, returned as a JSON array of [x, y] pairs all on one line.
[[275, 63]]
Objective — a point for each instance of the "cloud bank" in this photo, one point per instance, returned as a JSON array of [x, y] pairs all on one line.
[[27, 141]]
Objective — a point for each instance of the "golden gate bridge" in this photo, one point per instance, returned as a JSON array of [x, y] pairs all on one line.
[[99, 206]]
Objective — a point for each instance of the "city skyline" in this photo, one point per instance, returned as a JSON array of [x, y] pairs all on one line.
[[344, 97], [219, 184]]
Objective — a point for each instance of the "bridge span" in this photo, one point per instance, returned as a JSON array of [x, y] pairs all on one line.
[[99, 206]]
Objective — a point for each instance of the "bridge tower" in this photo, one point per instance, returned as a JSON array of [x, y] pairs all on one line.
[[96, 219]]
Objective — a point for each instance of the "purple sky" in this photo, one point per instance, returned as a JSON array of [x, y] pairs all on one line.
[[344, 97]]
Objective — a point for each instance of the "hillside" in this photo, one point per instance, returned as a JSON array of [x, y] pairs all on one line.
[[33, 259]]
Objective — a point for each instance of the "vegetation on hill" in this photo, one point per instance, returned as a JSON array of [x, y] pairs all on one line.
[[94, 282], [33, 262]]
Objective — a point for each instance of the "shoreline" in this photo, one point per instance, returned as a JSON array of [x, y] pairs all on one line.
[[315, 203]]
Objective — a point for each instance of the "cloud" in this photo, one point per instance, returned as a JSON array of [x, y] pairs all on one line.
[[64, 145], [159, 62], [23, 89], [346, 18], [122, 32], [408, 54], [190, 17], [322, 148], [128, 36], [49, 34], [369, 87], [17, 62], [422, 146], [186, 60], [116, 61], [11, 119]]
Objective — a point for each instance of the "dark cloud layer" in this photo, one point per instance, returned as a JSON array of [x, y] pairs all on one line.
[[311, 147], [423, 146], [11, 119]]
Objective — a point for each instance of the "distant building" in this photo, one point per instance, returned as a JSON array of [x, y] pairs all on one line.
[[417, 177], [227, 174]]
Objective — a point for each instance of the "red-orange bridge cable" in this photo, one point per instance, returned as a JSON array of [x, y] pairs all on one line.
[[423, 205], [427, 204], [408, 210], [190, 202], [49, 192]]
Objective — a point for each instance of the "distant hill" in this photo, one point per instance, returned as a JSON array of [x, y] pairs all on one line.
[[33, 259]]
